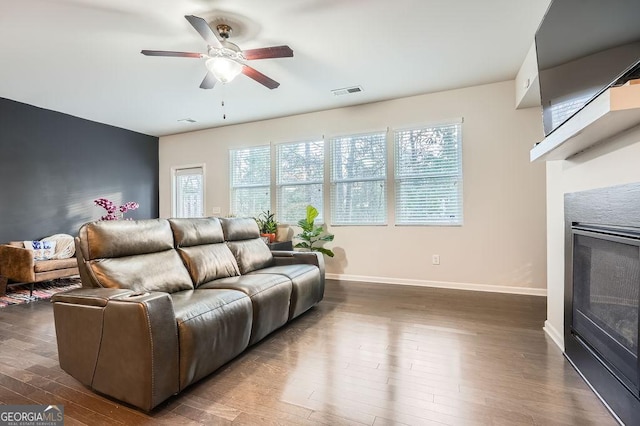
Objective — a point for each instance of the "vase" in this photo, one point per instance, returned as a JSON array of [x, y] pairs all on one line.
[[272, 237]]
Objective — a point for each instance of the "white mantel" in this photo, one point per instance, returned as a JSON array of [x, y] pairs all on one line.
[[611, 113]]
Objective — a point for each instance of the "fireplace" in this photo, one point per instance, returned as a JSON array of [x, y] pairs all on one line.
[[606, 283], [602, 294]]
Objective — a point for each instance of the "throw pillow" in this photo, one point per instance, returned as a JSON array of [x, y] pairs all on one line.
[[42, 250]]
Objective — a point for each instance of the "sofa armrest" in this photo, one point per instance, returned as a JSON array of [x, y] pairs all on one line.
[[120, 343], [297, 257], [90, 296], [17, 263]]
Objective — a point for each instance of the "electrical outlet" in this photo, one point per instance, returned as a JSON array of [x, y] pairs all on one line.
[[435, 259], [216, 210]]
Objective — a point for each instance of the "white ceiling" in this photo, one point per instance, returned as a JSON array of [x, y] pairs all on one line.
[[82, 57]]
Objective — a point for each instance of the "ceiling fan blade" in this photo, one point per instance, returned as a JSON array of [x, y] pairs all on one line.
[[204, 30], [259, 77], [170, 53], [208, 82], [268, 52]]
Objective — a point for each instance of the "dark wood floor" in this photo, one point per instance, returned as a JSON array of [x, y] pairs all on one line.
[[368, 354]]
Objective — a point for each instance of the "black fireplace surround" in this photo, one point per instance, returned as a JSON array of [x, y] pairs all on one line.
[[602, 294]]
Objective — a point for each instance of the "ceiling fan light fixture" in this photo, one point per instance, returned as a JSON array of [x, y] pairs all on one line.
[[223, 69]]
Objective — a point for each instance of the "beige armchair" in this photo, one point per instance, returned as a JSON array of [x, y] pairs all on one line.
[[17, 266]]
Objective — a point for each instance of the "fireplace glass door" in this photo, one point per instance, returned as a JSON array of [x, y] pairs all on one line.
[[606, 296]]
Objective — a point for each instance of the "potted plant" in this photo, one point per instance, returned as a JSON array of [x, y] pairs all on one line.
[[312, 235], [267, 224]]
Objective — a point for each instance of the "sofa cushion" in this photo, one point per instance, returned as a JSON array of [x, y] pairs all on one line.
[[250, 285], [239, 228], [307, 285], [251, 254], [161, 271], [119, 238], [243, 238], [209, 262], [270, 295], [200, 242], [213, 327], [197, 231], [55, 264]]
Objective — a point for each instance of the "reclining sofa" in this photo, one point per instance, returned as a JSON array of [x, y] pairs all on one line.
[[165, 302]]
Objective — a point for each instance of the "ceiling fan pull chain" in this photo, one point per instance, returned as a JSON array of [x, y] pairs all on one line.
[[224, 114]]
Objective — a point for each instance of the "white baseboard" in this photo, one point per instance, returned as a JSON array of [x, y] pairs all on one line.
[[441, 284], [557, 337]]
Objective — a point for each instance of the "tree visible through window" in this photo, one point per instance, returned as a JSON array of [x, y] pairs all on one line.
[[428, 175], [299, 179], [358, 179], [250, 181], [189, 192]]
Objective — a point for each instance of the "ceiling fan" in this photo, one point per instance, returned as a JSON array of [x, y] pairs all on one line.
[[226, 60]]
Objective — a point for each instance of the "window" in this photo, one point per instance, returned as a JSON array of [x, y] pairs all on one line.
[[299, 180], [250, 180], [428, 175], [188, 192], [358, 179]]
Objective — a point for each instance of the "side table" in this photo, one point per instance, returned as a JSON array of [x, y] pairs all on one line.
[[282, 245]]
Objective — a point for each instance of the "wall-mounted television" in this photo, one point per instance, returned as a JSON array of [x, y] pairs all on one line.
[[583, 48]]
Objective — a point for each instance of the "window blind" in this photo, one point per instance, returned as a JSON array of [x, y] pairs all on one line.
[[358, 179], [250, 180], [428, 175], [299, 180]]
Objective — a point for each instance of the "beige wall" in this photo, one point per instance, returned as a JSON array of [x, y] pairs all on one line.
[[614, 163], [501, 246]]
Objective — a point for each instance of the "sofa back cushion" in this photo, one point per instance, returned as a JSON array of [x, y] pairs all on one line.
[[197, 231], [161, 271], [200, 243], [136, 255], [119, 238], [243, 238], [239, 228]]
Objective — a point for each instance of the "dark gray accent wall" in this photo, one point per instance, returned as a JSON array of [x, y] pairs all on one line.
[[53, 165]]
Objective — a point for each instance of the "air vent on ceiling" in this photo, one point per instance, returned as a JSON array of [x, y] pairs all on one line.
[[186, 120], [347, 90]]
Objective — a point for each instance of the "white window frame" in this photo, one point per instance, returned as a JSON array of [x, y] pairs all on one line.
[[335, 181], [233, 188], [196, 169], [456, 174]]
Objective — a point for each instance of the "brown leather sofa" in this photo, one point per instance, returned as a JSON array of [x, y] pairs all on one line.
[[18, 266], [166, 302]]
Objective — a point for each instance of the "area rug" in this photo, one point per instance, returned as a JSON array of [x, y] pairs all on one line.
[[19, 294]]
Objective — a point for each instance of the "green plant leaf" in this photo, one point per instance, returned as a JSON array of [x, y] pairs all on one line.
[[302, 223], [315, 232], [311, 234], [266, 222], [312, 213], [324, 251]]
